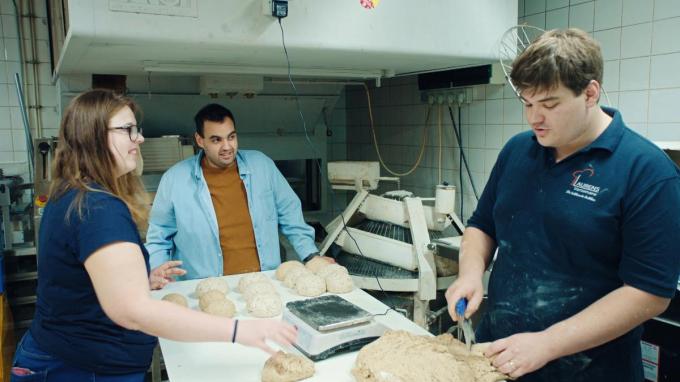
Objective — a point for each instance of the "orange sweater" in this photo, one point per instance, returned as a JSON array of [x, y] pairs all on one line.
[[230, 202]]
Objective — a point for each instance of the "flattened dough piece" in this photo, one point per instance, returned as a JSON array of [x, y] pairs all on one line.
[[445, 266], [283, 269], [212, 283], [264, 305], [402, 356], [282, 367], [176, 298], [250, 279], [310, 286]]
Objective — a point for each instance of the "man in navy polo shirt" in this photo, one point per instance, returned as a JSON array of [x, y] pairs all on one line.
[[585, 214]]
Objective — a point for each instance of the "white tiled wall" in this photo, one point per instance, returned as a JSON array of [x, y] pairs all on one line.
[[13, 153], [641, 49]]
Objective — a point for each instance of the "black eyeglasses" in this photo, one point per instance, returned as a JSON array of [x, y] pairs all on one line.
[[133, 131]]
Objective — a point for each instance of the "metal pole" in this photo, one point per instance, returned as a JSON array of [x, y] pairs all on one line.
[[27, 129]]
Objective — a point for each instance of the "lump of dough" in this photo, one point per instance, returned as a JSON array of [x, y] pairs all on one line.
[[176, 298], [209, 297], [339, 282], [260, 287], [212, 283], [316, 264], [282, 367], [310, 286], [325, 271], [293, 275], [445, 266], [223, 308], [402, 356], [264, 305], [283, 269], [250, 279]]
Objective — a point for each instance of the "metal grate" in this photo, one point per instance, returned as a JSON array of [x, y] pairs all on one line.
[[363, 266], [366, 267], [392, 231]]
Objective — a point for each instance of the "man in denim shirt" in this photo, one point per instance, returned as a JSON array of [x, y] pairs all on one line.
[[220, 211]]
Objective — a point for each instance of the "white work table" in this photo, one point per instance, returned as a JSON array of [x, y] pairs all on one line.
[[206, 362]]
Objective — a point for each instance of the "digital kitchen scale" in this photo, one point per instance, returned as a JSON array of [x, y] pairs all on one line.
[[329, 325]]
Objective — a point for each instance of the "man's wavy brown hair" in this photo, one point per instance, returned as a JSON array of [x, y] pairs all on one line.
[[568, 56]]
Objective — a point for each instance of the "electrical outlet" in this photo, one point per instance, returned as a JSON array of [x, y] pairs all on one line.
[[453, 96], [280, 8]]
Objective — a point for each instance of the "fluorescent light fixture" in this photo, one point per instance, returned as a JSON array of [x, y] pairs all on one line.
[[191, 68]]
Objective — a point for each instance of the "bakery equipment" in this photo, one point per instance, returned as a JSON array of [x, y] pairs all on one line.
[[330, 325], [15, 225], [356, 175], [387, 242], [391, 228]]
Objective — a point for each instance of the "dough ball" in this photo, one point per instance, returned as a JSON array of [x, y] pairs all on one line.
[[264, 305], [260, 287], [325, 271], [316, 264], [445, 266], [250, 279], [223, 308], [210, 296], [310, 286], [212, 283], [283, 269], [282, 367], [176, 298], [339, 282], [293, 275]]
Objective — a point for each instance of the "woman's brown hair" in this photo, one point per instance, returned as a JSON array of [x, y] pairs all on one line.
[[83, 160]]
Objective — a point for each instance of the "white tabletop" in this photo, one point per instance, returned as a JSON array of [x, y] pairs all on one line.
[[205, 362]]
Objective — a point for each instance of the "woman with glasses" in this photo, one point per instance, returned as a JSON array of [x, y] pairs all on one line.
[[95, 319]]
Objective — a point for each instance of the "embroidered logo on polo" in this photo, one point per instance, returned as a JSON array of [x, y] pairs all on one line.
[[579, 187]]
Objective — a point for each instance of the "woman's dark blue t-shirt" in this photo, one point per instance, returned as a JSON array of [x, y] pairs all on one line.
[[69, 322]]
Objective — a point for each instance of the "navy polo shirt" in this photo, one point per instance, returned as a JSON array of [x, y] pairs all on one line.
[[569, 233], [69, 322]]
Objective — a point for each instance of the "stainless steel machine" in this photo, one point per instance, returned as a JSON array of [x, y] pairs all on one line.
[[16, 225]]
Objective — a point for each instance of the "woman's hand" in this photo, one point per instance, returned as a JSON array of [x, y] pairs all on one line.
[[255, 333]]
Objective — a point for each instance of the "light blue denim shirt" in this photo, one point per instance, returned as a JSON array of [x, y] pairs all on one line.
[[183, 224]]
